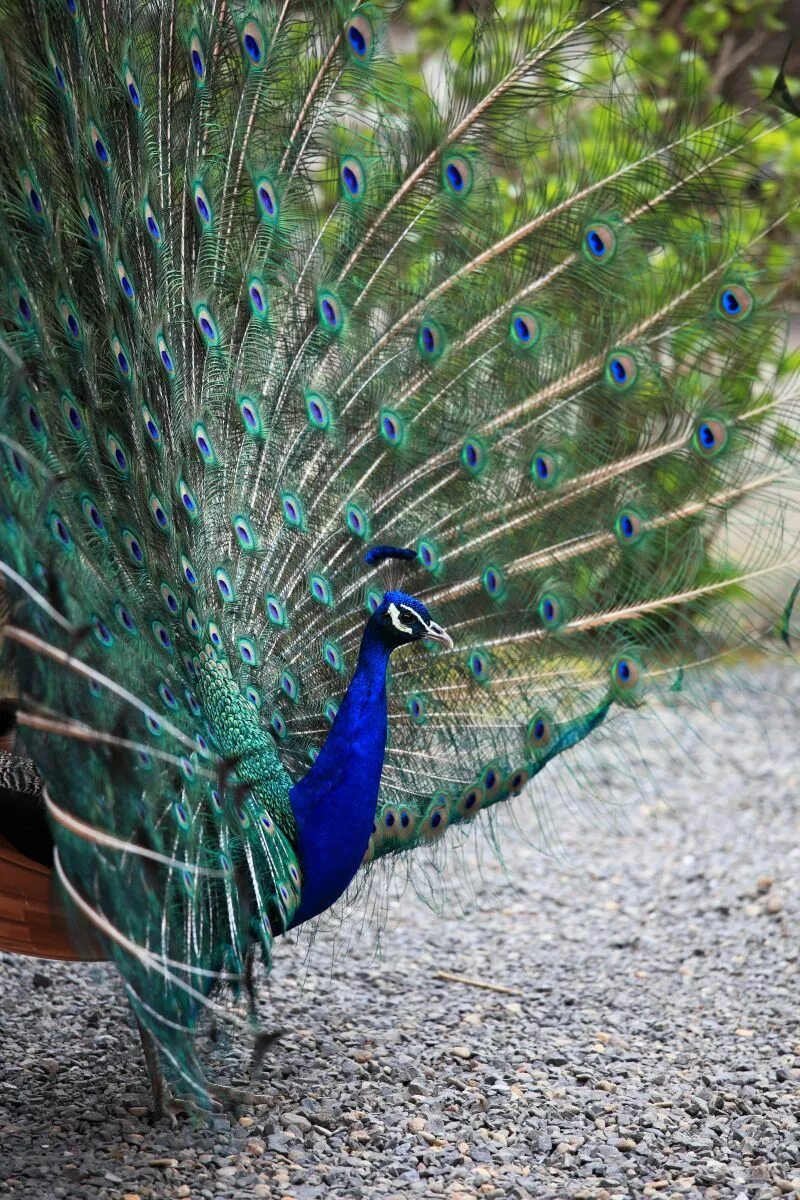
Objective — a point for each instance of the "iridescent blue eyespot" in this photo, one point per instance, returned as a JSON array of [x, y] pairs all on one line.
[[318, 411], [599, 242], [329, 710], [92, 514], [428, 554], [153, 724], [417, 709], [162, 636], [101, 631], [330, 310], [170, 599], [251, 416], [207, 325], [431, 340], [525, 329], [628, 526], [132, 89], [203, 442], [734, 301], [544, 469], [473, 456], [225, 585], [320, 588], [478, 664], [152, 225], [181, 815], [134, 547], [391, 427], [356, 520], [197, 58], [457, 175], [374, 600], [292, 509], [167, 695], [98, 144], [151, 425], [70, 318], [276, 611], [32, 193], [625, 673], [552, 610], [192, 623], [332, 656], [21, 303], [121, 358], [117, 454], [258, 296], [621, 370], [89, 216], [353, 178], [34, 420], [360, 37], [189, 573], [188, 499], [493, 582], [248, 651], [125, 619], [710, 437], [267, 200], [254, 42], [124, 279], [60, 531], [289, 685], [244, 532]]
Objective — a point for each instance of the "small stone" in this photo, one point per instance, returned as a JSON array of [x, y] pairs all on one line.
[[226, 1172], [764, 883], [295, 1121], [774, 904], [461, 1051], [743, 1032], [41, 980], [246, 1122], [138, 1110], [416, 1124], [163, 1162], [625, 1144], [51, 1065]]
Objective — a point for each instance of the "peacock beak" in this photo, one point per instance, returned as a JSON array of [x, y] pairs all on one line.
[[437, 634]]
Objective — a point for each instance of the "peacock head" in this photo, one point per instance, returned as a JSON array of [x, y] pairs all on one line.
[[400, 618]]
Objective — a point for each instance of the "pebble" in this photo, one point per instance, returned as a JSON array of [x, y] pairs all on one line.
[[652, 1050]]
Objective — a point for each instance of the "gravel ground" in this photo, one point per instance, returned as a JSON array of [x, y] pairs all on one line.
[[649, 1044]]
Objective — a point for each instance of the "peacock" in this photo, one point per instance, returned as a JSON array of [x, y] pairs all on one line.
[[364, 451]]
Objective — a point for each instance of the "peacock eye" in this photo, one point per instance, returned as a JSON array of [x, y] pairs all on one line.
[[360, 37], [353, 178], [710, 437], [525, 329], [457, 175], [133, 91], [151, 224], [99, 145], [206, 324], [202, 204], [431, 340], [599, 242], [254, 43], [197, 58], [331, 313], [267, 200], [734, 301], [621, 370], [540, 732]]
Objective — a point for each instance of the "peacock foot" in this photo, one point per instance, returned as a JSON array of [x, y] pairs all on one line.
[[261, 1045], [231, 1097]]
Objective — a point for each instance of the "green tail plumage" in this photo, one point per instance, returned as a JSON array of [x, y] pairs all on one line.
[[262, 306]]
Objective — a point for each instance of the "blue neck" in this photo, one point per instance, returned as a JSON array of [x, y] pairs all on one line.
[[334, 804]]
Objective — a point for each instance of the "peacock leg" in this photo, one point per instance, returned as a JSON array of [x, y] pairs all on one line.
[[261, 1045], [231, 1096], [164, 1103]]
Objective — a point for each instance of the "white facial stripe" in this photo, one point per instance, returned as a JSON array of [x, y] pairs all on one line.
[[394, 614]]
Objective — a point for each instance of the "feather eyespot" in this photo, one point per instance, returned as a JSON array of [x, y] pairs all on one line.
[[437, 818], [251, 416], [257, 295], [125, 619], [626, 676], [151, 224], [69, 318], [552, 610], [621, 370], [134, 547], [244, 532], [58, 74], [391, 427], [89, 216], [189, 573], [202, 205], [278, 723], [373, 600], [492, 782], [117, 454], [133, 90], [352, 177], [540, 732], [319, 413], [197, 58], [478, 664], [170, 600], [599, 242], [457, 175], [207, 325], [267, 200], [99, 146], [734, 301], [121, 358], [494, 583], [214, 635], [102, 633], [164, 354], [21, 303], [253, 696], [158, 512], [151, 425], [471, 801], [428, 554], [710, 437], [124, 280], [32, 194], [248, 652], [356, 520], [473, 456], [204, 444], [332, 656], [60, 531], [254, 43], [168, 696], [629, 527], [360, 36], [292, 509], [34, 420], [320, 589], [417, 709], [431, 340], [331, 313], [517, 780], [92, 514], [192, 624], [524, 329], [188, 499], [276, 610], [289, 685]]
